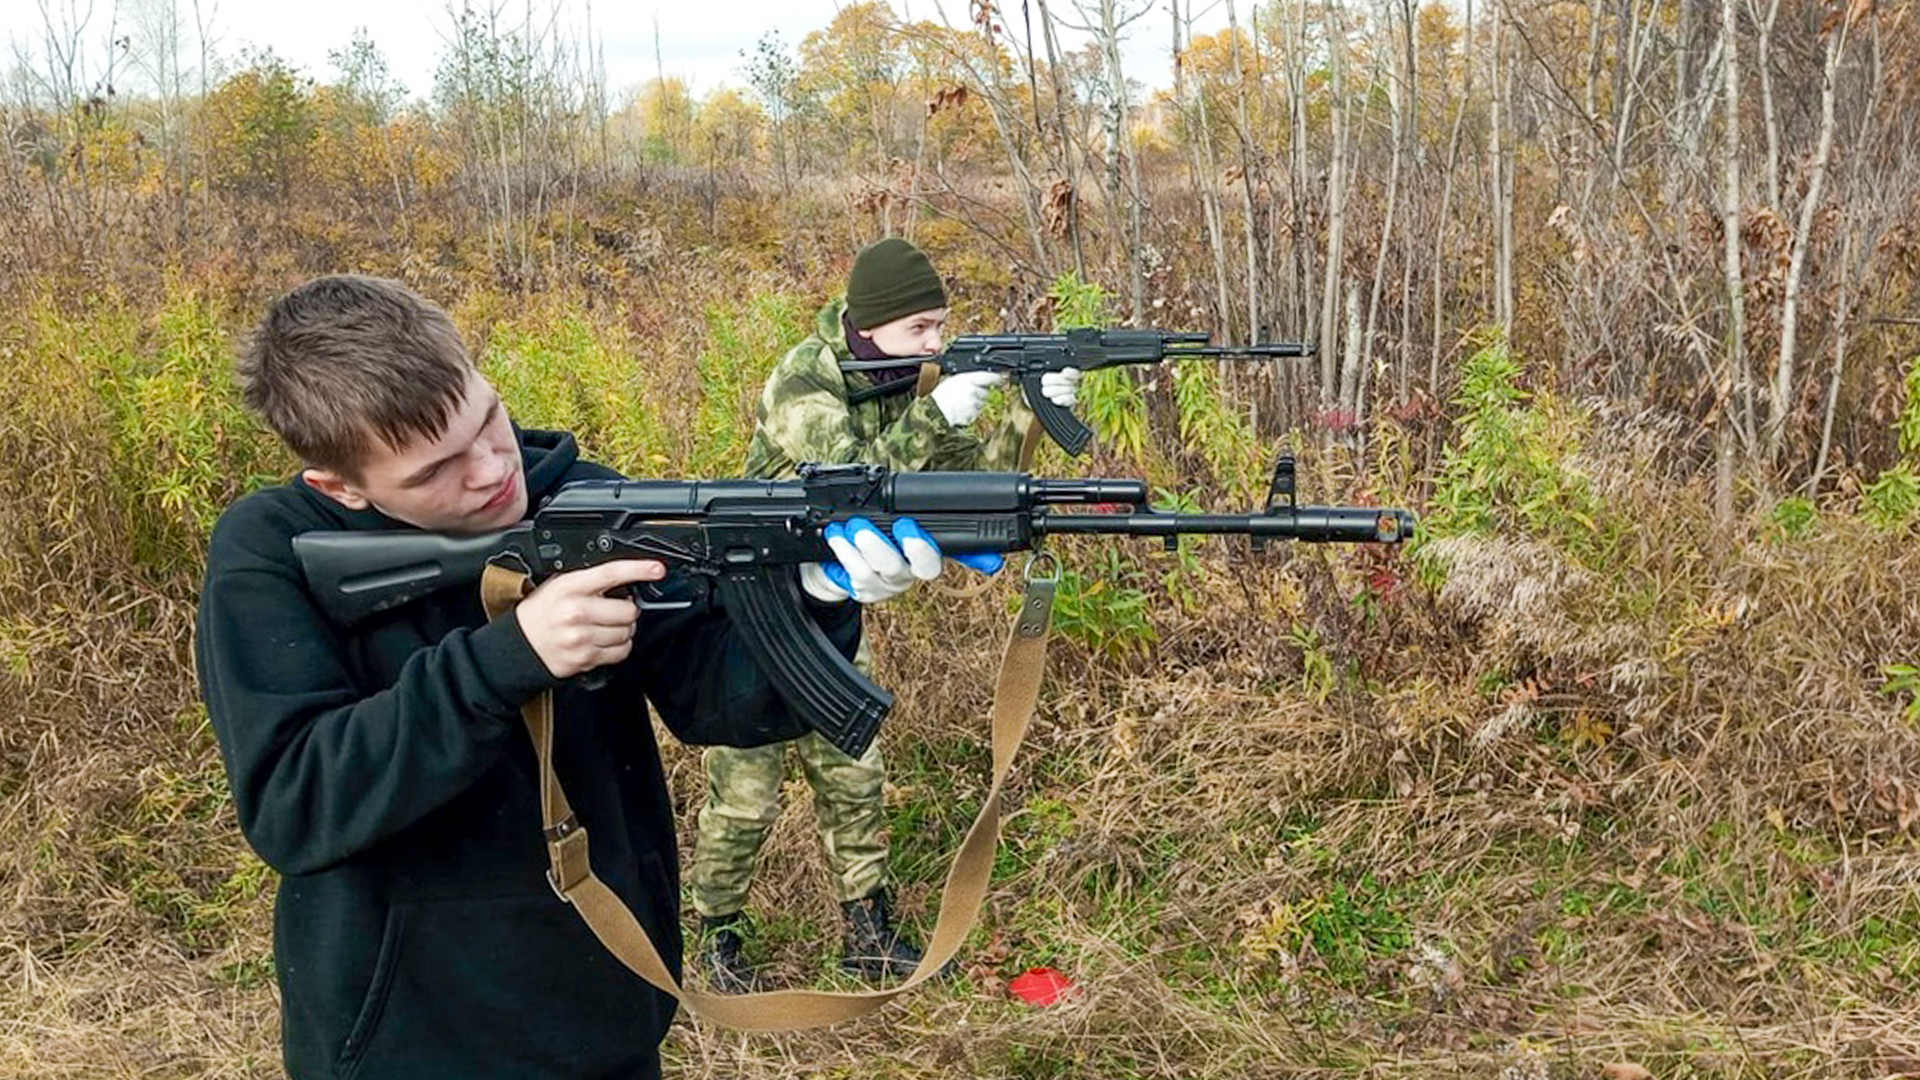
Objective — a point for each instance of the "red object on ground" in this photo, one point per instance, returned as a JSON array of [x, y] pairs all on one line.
[[1041, 986]]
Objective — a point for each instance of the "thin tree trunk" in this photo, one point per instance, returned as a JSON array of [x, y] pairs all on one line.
[[1588, 105], [1200, 159], [1296, 183], [1036, 234], [1502, 177], [1723, 470], [1842, 310], [1067, 146], [1738, 380], [1120, 133], [1393, 194], [1350, 361], [1248, 180], [1763, 63], [1446, 202], [1336, 209], [1783, 388]]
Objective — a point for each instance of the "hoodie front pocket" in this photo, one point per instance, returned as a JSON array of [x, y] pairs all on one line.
[[367, 1020], [509, 987]]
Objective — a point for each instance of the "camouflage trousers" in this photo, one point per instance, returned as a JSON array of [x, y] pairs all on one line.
[[743, 799]]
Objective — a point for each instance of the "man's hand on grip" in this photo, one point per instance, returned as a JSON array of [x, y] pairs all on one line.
[[574, 626], [961, 397], [1061, 387]]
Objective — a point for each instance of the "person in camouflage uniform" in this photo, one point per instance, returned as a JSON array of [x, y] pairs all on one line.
[[810, 411]]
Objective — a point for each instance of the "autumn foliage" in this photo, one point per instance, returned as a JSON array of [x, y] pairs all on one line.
[[1615, 772]]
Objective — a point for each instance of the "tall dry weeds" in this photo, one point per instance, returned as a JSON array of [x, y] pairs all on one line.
[[1307, 817]]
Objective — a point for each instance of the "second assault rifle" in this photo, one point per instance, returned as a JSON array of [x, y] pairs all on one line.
[[745, 538], [1026, 357]]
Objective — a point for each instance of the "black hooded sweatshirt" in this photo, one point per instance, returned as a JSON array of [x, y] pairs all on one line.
[[384, 772]]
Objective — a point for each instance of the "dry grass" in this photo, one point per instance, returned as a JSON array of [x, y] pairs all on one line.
[[1534, 822]]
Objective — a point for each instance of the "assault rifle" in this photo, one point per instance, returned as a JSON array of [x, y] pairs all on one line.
[[1026, 357], [745, 538]]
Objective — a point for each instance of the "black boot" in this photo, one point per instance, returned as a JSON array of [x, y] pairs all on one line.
[[727, 969], [873, 949]]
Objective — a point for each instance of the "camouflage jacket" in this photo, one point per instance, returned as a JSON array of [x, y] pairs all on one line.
[[804, 415]]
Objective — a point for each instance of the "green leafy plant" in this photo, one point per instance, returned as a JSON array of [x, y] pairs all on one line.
[[183, 445], [1110, 399], [1506, 471], [1350, 925], [1904, 679], [1891, 501], [1078, 303], [1104, 610], [1222, 435], [745, 346], [1792, 518], [1184, 575], [1318, 677]]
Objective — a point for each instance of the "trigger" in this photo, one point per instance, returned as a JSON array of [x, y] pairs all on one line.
[[649, 596]]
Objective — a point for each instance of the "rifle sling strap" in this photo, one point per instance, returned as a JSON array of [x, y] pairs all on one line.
[[573, 880], [929, 378]]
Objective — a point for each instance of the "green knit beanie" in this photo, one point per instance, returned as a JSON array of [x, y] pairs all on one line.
[[890, 280]]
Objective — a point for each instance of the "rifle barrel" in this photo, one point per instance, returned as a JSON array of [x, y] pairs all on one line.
[[1266, 350], [1314, 524]]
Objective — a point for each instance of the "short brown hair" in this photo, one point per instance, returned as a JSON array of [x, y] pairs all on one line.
[[346, 359]]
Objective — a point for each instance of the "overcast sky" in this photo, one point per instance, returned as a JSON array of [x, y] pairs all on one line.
[[699, 41]]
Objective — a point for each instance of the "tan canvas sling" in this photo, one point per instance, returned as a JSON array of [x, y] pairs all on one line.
[[1015, 695]]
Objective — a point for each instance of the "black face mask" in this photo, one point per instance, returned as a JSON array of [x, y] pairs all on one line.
[[864, 348]]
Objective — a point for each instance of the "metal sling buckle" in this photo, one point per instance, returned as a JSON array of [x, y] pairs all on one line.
[[559, 831], [1043, 576]]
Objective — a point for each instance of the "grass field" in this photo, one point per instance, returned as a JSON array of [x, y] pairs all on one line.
[[1585, 781]]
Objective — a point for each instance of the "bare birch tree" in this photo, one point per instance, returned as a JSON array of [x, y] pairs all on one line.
[[1784, 392], [1334, 270], [1204, 167], [1107, 22], [1730, 200]]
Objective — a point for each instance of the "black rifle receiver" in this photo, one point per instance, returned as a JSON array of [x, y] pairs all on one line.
[[1026, 357], [746, 537]]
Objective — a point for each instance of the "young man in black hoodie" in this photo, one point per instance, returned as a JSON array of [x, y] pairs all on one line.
[[384, 771]]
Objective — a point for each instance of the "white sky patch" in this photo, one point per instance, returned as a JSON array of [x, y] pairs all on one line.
[[698, 41]]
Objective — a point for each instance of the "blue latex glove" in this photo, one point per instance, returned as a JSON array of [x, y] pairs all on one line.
[[987, 562], [872, 566]]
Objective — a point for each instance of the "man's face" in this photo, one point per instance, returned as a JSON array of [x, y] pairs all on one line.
[[468, 480], [918, 334]]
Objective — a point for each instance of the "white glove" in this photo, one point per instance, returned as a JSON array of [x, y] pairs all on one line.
[[1061, 387], [870, 567], [961, 397]]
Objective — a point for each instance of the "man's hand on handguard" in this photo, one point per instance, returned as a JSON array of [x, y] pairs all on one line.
[[873, 567], [574, 626]]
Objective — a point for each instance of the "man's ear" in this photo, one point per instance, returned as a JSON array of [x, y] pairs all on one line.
[[868, 334], [335, 487]]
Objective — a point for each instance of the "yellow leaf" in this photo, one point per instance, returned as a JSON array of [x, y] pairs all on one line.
[[1585, 730]]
